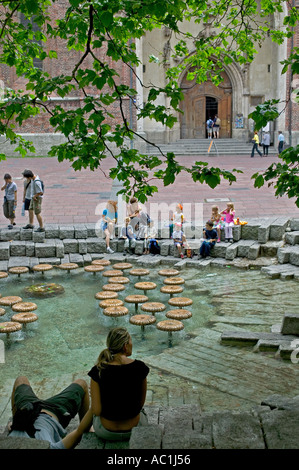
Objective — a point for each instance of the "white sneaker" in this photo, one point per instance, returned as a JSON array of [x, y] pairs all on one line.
[[109, 250]]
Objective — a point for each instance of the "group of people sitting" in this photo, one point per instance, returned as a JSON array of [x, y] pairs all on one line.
[[101, 407]]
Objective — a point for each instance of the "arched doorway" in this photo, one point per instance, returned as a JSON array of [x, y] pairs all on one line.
[[202, 101]]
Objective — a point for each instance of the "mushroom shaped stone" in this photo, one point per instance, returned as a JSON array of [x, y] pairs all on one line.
[[10, 327], [145, 286], [142, 320], [111, 303], [122, 266], [106, 295], [101, 262], [170, 326], [112, 273], [180, 302], [3, 274], [116, 311], [136, 299], [179, 314], [114, 287], [2, 312], [24, 318], [94, 268], [119, 280], [168, 272], [153, 307], [10, 300], [68, 266], [139, 272], [41, 268], [171, 290], [174, 281], [24, 307], [18, 270]]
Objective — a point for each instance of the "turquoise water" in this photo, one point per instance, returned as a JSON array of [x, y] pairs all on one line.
[[71, 329]]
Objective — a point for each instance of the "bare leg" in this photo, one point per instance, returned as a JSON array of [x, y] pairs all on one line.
[[107, 233], [40, 220], [31, 217]]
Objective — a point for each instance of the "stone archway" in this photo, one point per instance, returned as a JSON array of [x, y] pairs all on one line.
[[195, 107]]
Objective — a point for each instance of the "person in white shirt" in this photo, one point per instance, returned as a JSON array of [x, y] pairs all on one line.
[[280, 142], [36, 198]]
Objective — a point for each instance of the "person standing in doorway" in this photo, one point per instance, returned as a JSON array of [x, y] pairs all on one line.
[[266, 143], [280, 142], [255, 142], [36, 198], [210, 128]]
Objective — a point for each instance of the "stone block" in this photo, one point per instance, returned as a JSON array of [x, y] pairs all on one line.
[[250, 231], [54, 261], [139, 247], [237, 231], [34, 261], [290, 324], [30, 248], [4, 250], [80, 231], [254, 251], [18, 248], [19, 261], [179, 418], [52, 231], [77, 258], [25, 234], [218, 262], [14, 443], [91, 441], [146, 437], [82, 246], [38, 237], [294, 224], [270, 248], [164, 247], [3, 265], [264, 230], [70, 245], [87, 259], [294, 256], [219, 250], [281, 429], [120, 244], [239, 430], [46, 249], [231, 251], [96, 245], [292, 238], [7, 234], [91, 230], [59, 248], [243, 247], [278, 228], [283, 255], [66, 231]]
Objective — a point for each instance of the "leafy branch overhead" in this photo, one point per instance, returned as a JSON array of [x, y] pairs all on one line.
[[103, 34]]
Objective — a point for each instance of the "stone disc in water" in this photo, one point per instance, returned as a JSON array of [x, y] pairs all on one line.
[[47, 289]]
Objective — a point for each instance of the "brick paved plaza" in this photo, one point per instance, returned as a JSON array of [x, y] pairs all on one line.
[[72, 197]]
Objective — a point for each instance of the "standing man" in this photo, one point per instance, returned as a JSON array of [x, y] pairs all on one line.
[[266, 143], [216, 126], [210, 128], [36, 198], [280, 141], [10, 199], [255, 142]]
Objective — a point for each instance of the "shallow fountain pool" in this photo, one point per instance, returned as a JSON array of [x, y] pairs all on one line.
[[71, 329]]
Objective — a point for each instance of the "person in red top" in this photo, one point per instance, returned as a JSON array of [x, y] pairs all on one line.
[[118, 388]]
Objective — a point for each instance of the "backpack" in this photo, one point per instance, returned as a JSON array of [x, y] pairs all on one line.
[[217, 122], [154, 247], [210, 123], [41, 182]]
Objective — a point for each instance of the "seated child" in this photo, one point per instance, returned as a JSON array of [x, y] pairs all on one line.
[[179, 239], [129, 236], [176, 218], [210, 235], [218, 221], [229, 213]]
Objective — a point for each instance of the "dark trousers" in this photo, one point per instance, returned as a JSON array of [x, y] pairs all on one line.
[[255, 147], [280, 146], [266, 149]]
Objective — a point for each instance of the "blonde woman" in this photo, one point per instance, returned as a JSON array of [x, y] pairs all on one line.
[[118, 388]]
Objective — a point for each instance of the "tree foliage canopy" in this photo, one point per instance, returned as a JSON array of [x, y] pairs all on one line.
[[228, 30]]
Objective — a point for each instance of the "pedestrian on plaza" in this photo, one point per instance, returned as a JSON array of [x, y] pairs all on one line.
[[266, 143], [118, 388], [216, 126], [26, 194], [280, 142], [255, 142], [46, 420], [210, 237], [229, 213], [10, 199], [36, 198], [109, 218], [210, 128]]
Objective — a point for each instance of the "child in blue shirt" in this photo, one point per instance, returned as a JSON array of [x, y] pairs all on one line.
[[210, 235]]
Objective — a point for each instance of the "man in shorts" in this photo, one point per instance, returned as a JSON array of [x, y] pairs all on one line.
[[36, 198], [46, 420], [10, 199]]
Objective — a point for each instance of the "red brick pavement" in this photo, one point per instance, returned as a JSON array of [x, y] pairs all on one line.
[[72, 196]]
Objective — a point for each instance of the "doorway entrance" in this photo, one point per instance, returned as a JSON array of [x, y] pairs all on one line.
[[202, 101]]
